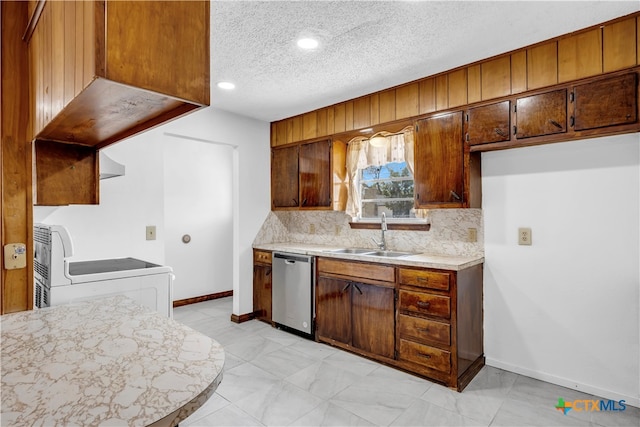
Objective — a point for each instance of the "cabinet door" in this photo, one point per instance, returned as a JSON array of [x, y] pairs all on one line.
[[543, 114], [439, 156], [284, 177], [333, 309], [315, 174], [606, 103], [262, 292], [490, 123], [373, 318]]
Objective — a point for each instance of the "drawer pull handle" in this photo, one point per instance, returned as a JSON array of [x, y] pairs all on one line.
[[425, 330], [426, 356], [423, 279], [423, 304], [556, 124]]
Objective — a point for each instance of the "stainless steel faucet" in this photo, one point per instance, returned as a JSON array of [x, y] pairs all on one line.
[[382, 244]]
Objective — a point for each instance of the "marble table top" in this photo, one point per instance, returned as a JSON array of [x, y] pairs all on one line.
[[107, 361]]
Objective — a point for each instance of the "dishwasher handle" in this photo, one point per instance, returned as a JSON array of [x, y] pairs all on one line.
[[289, 261]]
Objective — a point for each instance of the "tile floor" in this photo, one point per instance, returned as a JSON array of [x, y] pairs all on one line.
[[274, 378]]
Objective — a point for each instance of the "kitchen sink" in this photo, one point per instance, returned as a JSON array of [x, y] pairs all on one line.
[[371, 252], [351, 251], [391, 254]]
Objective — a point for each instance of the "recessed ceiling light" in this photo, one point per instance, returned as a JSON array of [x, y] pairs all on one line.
[[226, 85], [307, 43]]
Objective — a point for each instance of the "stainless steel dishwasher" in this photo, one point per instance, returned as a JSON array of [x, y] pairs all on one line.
[[293, 284]]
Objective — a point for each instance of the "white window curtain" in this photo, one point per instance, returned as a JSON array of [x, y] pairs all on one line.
[[362, 153]]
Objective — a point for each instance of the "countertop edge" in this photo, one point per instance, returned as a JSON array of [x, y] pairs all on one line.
[[424, 260]]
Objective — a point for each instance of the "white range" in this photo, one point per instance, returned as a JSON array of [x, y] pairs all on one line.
[[57, 280]]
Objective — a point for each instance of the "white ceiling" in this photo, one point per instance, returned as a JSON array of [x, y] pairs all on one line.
[[366, 46]]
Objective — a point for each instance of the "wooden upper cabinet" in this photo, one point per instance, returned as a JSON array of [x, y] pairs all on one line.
[[580, 55], [387, 105], [442, 92], [619, 40], [542, 65], [427, 89], [362, 112], [309, 175], [496, 78], [457, 88], [489, 123], [339, 121], [309, 125], [315, 174], [439, 162], [294, 129], [607, 102], [474, 84], [103, 71], [407, 101], [519, 72], [284, 177], [543, 114]]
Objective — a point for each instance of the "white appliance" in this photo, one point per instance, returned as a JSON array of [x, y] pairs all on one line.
[[57, 280]]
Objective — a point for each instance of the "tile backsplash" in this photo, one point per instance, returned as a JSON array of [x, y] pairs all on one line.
[[448, 234]]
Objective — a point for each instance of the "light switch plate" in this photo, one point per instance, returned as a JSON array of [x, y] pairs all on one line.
[[151, 232], [15, 256]]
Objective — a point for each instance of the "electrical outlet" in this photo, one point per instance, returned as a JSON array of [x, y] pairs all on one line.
[[524, 236], [337, 230], [151, 232], [472, 234], [312, 229]]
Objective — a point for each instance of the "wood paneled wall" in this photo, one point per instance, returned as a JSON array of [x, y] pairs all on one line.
[[62, 56], [16, 286], [596, 50]]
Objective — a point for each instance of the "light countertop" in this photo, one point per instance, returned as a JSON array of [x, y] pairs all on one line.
[[107, 361], [443, 262]]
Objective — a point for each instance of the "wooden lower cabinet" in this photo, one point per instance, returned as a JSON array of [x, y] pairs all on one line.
[[353, 314], [262, 286], [439, 327], [372, 311], [427, 322], [333, 310]]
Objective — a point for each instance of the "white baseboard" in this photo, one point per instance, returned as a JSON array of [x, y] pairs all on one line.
[[565, 382]]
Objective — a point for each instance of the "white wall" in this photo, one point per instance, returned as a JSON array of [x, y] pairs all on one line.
[[566, 309], [252, 165], [116, 227], [198, 202]]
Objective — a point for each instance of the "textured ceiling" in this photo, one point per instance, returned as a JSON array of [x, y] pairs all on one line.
[[367, 46]]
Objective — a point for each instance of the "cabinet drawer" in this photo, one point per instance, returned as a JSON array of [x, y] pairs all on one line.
[[262, 257], [424, 279], [417, 328], [377, 272], [419, 302], [421, 354]]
